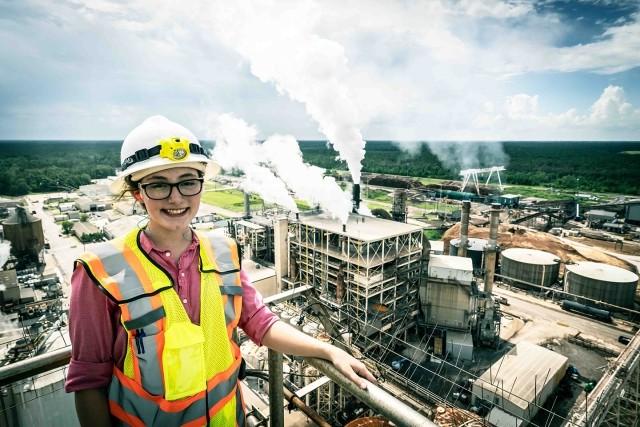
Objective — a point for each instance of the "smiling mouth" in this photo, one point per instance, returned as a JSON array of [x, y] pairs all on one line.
[[175, 212]]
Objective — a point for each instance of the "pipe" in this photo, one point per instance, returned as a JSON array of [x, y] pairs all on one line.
[[356, 198], [464, 228], [491, 249], [375, 397], [309, 412], [276, 394], [34, 365]]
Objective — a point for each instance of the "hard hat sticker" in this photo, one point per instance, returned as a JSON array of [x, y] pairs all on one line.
[[174, 148]]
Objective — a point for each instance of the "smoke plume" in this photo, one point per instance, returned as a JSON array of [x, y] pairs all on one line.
[[281, 47], [458, 155], [273, 168]]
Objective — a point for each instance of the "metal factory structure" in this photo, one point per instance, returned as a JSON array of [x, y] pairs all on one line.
[[521, 267], [367, 271], [601, 282]]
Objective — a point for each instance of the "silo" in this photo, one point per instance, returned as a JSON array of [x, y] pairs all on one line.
[[24, 231], [601, 282], [475, 250], [530, 266]]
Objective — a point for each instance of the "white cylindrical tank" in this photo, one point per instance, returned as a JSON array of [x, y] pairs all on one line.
[[602, 282], [530, 266]]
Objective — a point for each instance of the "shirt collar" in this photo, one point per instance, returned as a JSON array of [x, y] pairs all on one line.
[[147, 245]]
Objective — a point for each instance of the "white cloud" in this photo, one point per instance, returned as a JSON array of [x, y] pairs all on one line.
[[609, 117], [412, 70]]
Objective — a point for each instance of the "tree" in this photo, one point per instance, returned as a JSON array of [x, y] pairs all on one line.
[[84, 217], [67, 226], [380, 213]]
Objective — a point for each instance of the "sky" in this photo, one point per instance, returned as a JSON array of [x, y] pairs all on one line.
[[380, 70]]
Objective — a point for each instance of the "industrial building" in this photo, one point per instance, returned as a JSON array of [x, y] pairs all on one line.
[[366, 270], [521, 381]]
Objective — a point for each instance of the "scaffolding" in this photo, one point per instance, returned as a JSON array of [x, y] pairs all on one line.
[[367, 272], [255, 239]]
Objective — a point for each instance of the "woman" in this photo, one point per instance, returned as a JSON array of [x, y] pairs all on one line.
[[153, 314]]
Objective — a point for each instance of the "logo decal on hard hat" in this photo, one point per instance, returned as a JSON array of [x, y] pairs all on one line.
[[174, 148]]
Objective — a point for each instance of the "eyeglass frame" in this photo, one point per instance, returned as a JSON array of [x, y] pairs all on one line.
[[143, 187]]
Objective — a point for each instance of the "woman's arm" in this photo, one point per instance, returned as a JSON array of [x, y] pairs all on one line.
[[287, 339], [92, 408]]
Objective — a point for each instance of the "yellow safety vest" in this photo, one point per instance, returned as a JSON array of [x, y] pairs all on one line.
[[175, 373]]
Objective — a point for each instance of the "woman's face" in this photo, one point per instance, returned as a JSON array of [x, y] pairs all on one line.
[[175, 212]]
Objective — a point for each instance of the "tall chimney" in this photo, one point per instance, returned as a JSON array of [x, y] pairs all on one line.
[[281, 251], [464, 228], [247, 206], [356, 198], [491, 248]]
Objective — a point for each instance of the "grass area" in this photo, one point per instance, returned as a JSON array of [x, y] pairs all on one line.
[[378, 195], [433, 234], [631, 152], [548, 193], [372, 204], [427, 181], [232, 200]]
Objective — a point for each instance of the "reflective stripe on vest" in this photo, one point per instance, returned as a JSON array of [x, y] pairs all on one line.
[[149, 304]]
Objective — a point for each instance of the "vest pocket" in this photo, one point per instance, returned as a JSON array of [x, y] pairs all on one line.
[[183, 361]]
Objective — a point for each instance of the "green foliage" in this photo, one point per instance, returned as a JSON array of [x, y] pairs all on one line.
[[381, 213], [67, 226], [92, 237], [601, 166], [84, 217], [46, 166], [433, 234]]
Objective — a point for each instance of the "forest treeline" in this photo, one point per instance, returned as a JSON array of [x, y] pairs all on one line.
[[614, 167]]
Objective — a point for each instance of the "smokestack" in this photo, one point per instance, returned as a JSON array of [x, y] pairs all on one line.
[[247, 206], [464, 228], [344, 228], [356, 198], [491, 249], [281, 251], [297, 216]]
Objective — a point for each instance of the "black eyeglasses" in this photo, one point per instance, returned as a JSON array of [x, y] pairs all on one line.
[[162, 190]]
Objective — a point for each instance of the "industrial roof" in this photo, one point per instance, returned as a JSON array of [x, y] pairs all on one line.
[[474, 244], [365, 228], [605, 272], [530, 256], [600, 212], [451, 262], [522, 372]]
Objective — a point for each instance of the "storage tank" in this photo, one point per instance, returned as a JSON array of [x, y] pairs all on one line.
[[601, 282], [24, 231], [475, 250], [529, 265]]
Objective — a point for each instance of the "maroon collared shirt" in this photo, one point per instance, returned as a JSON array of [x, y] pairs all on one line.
[[98, 339]]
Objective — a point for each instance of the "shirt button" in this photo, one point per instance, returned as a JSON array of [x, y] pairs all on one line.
[[182, 273], [167, 254], [184, 300]]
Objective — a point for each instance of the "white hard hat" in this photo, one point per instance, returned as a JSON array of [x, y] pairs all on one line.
[[158, 144]]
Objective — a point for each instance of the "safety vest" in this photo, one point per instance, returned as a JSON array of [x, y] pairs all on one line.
[[175, 373]]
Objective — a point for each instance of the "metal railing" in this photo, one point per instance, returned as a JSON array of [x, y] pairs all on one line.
[[375, 397]]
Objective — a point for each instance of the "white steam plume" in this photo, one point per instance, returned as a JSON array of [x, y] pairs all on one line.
[[306, 181], [5, 250], [277, 39], [458, 155], [276, 166], [236, 148]]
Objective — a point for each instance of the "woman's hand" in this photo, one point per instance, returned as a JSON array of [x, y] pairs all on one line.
[[351, 367]]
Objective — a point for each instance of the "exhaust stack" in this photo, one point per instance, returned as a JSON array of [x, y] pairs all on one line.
[[247, 206], [491, 249], [464, 228], [356, 198]]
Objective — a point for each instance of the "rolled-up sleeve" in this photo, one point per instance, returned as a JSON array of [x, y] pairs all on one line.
[[92, 332], [256, 318]]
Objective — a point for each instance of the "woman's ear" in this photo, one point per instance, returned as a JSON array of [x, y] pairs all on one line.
[[137, 195]]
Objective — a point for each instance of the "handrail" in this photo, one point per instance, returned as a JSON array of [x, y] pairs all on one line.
[[33, 366], [375, 397]]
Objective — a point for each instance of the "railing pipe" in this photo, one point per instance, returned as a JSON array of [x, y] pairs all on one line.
[[276, 395], [374, 397], [33, 366]]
